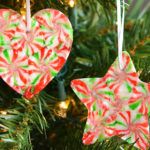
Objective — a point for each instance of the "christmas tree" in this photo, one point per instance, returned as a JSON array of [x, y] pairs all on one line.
[[55, 118]]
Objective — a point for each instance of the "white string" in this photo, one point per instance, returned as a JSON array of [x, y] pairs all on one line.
[[120, 24], [28, 15]]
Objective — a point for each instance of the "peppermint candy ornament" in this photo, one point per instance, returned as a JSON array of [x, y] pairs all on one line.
[[118, 105], [30, 60]]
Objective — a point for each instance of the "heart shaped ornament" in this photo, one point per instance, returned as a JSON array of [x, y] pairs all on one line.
[[30, 60]]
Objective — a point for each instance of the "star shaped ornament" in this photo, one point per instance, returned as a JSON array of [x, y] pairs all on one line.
[[118, 104]]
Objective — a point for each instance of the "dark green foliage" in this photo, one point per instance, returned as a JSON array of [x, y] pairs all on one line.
[[17, 121]]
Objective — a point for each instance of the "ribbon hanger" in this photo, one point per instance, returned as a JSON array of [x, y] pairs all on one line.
[[28, 15], [120, 25]]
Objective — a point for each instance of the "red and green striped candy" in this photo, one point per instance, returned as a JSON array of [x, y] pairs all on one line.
[[30, 60], [133, 127], [141, 98], [9, 21], [122, 81]]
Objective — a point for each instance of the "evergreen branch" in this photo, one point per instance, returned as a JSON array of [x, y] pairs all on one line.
[[17, 122], [140, 43]]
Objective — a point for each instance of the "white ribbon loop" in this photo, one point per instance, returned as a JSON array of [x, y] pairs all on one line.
[[120, 24], [28, 15]]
